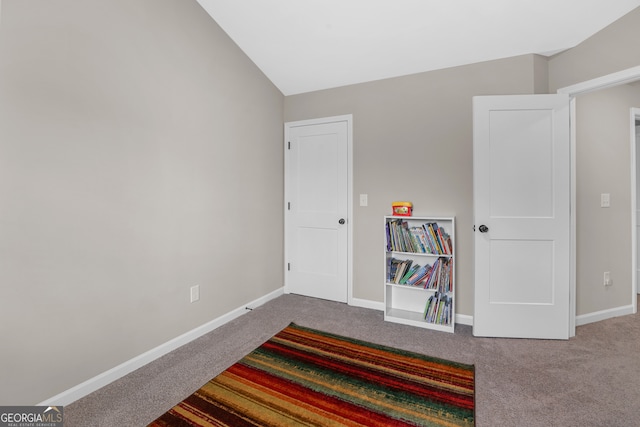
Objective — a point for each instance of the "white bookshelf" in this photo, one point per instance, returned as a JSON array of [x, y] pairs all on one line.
[[407, 303]]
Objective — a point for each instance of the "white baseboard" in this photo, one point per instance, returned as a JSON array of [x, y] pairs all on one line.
[[597, 316], [583, 319], [365, 303], [101, 380], [464, 319]]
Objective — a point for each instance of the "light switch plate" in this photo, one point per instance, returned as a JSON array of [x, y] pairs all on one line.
[[195, 293]]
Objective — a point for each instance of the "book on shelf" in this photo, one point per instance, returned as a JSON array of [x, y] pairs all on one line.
[[410, 272], [438, 309], [397, 269], [439, 276], [445, 240], [418, 275], [427, 238], [392, 269], [433, 277], [402, 268]]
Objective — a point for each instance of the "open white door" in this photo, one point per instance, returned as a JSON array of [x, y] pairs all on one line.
[[317, 208], [521, 147]]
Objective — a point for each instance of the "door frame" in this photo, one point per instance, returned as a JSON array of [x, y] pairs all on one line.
[[324, 120], [635, 140], [604, 82]]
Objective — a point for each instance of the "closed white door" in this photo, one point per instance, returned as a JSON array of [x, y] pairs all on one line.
[[316, 208], [522, 218]]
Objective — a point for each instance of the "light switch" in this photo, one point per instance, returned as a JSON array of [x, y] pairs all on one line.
[[195, 293], [364, 200], [605, 200]]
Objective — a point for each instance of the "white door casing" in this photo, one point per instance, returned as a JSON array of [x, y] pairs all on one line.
[[522, 195], [318, 208], [635, 209]]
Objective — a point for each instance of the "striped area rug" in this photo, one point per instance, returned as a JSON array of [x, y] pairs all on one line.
[[305, 377]]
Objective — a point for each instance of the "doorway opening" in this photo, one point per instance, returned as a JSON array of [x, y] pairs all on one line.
[[629, 75]]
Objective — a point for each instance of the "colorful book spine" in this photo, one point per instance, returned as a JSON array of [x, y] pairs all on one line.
[[428, 238], [438, 309]]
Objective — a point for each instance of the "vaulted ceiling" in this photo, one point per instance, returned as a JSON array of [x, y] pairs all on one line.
[[307, 45]]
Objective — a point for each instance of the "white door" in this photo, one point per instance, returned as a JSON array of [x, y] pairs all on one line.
[[521, 160], [316, 207]]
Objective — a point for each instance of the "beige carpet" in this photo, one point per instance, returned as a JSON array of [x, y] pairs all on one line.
[[590, 380]]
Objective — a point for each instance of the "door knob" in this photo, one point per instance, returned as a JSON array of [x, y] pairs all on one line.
[[483, 228], [341, 221]]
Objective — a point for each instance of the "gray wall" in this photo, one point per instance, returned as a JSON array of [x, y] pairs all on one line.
[[603, 165], [423, 122], [140, 150], [603, 162], [612, 49], [413, 141]]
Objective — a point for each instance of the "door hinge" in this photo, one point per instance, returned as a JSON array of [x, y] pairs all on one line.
[[289, 206], [288, 266], [289, 145]]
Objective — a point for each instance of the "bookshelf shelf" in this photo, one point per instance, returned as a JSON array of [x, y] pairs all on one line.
[[419, 271]]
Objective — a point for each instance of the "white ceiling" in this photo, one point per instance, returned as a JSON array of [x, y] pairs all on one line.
[[307, 45]]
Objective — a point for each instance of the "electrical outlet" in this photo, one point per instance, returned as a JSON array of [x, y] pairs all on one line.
[[364, 200], [195, 293], [607, 278]]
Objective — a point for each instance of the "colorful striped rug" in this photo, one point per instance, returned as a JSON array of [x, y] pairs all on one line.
[[304, 377]]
